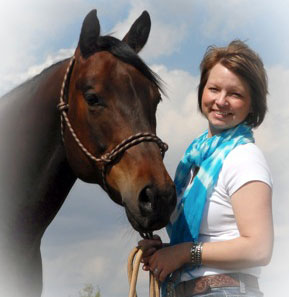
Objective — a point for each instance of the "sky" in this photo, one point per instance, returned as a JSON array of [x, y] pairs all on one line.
[[89, 240]]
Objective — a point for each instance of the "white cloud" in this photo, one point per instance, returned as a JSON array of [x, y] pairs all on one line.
[[11, 79], [26, 25], [30, 29], [273, 139], [50, 60], [230, 15], [179, 120], [224, 18], [99, 261], [165, 38]]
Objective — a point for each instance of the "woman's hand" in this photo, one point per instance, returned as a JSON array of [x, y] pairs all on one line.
[[161, 262], [149, 246]]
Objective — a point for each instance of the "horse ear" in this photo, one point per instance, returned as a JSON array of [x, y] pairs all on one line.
[[138, 34], [89, 34]]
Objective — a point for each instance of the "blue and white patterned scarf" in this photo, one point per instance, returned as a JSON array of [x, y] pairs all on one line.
[[207, 154]]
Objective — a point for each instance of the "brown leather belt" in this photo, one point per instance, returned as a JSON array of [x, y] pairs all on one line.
[[204, 284]]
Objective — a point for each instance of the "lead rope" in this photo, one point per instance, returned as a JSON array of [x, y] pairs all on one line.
[[133, 264]]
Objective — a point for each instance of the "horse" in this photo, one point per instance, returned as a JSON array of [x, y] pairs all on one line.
[[92, 117]]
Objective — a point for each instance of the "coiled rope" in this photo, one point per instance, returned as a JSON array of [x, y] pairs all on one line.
[[133, 264]]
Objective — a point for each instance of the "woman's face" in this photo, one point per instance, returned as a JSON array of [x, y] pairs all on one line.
[[226, 99]]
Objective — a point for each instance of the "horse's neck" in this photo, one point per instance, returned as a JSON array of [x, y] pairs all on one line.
[[31, 107], [29, 118], [31, 152]]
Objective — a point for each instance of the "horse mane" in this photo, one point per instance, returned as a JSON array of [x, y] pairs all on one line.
[[125, 53]]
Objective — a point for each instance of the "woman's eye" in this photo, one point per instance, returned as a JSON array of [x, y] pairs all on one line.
[[93, 99], [237, 95]]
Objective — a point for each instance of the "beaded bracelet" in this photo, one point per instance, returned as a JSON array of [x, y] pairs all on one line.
[[196, 253]]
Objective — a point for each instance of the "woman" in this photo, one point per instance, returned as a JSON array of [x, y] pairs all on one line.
[[221, 231]]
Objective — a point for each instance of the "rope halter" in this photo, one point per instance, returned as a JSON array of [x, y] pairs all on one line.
[[109, 157]]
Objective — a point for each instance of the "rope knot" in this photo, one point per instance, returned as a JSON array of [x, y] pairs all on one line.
[[106, 158], [165, 147], [133, 264], [62, 106]]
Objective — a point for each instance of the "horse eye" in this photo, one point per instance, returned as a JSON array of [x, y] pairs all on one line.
[[92, 99]]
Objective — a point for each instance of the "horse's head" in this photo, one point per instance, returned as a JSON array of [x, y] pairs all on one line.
[[113, 95]]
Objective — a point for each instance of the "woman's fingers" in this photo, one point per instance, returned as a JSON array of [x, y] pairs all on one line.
[[162, 276], [149, 252], [146, 243], [146, 267], [149, 247]]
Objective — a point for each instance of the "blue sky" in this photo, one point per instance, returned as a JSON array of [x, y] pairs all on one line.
[[90, 238]]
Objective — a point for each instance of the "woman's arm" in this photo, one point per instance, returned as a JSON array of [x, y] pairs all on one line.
[[252, 206]]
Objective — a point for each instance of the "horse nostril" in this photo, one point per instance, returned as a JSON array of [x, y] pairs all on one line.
[[146, 200], [157, 202]]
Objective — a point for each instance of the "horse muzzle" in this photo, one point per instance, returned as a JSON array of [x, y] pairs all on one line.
[[153, 208]]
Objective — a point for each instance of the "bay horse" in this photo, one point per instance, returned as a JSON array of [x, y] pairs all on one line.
[[90, 117]]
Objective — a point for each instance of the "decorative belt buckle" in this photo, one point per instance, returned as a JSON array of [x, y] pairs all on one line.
[[201, 287]]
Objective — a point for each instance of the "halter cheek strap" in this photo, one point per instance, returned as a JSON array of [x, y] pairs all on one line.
[[107, 158]]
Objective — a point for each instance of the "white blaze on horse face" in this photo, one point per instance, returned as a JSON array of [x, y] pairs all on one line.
[[226, 100]]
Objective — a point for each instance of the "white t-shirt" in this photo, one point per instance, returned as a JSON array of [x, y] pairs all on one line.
[[243, 164]]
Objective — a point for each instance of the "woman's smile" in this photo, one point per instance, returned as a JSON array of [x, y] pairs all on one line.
[[222, 114]]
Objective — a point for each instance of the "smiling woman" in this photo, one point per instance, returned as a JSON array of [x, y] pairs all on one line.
[[221, 232]]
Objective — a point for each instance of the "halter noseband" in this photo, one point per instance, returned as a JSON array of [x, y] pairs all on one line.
[[109, 157]]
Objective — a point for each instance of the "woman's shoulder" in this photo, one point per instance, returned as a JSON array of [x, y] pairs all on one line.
[[243, 164], [245, 152]]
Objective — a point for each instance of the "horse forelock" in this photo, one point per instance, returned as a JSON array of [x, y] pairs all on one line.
[[125, 53]]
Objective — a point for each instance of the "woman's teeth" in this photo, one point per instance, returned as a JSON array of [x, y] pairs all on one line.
[[221, 113]]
